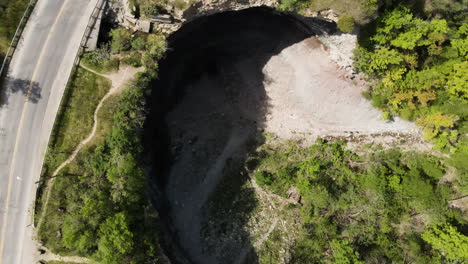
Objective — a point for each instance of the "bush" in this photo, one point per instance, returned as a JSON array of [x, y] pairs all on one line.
[[151, 7], [263, 178], [155, 48], [133, 59], [367, 95], [121, 40], [102, 66], [138, 44], [346, 24]]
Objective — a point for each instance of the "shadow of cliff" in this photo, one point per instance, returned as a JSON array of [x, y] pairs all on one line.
[[10, 86], [211, 89]]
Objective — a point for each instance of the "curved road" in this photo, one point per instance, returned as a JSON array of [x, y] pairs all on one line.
[[29, 100]]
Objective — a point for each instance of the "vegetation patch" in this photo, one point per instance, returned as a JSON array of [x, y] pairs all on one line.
[[346, 24], [241, 221], [361, 11], [421, 67], [11, 12], [77, 121], [101, 60], [383, 206], [98, 206], [418, 62]]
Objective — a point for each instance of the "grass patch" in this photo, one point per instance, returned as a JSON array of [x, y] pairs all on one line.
[[86, 92], [180, 4], [105, 119]]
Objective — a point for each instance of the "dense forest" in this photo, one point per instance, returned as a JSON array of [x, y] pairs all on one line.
[[385, 206], [418, 64]]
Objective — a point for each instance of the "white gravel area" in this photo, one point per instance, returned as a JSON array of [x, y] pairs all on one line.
[[340, 48], [309, 95]]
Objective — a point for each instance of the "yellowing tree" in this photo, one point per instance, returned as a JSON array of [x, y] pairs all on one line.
[[433, 123]]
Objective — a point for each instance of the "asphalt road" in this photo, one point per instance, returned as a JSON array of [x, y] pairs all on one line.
[[29, 101]]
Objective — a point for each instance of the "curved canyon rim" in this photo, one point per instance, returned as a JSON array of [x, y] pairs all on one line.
[[226, 80]]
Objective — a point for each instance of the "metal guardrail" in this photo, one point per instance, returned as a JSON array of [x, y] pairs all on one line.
[[14, 42], [19, 30], [92, 22]]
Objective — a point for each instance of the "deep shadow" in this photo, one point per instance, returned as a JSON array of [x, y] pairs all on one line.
[[208, 108], [11, 86]]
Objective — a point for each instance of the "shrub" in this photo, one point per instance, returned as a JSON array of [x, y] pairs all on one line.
[[151, 7], [101, 66], [263, 178], [407, 113], [367, 95], [346, 24], [133, 59], [121, 40], [155, 48], [138, 44], [290, 5]]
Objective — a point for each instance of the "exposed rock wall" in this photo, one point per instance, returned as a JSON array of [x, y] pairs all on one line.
[[207, 7]]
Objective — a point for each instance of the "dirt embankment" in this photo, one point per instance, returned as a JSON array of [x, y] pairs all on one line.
[[226, 80]]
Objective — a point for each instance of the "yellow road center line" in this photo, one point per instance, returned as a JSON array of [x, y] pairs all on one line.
[[25, 106]]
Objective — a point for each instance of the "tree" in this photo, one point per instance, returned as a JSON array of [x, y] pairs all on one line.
[[116, 240], [156, 46], [76, 235], [343, 253], [127, 180], [433, 123], [457, 83], [448, 241], [121, 40], [461, 41]]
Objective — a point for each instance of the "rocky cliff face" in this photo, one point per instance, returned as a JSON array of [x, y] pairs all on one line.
[[124, 16], [181, 11], [207, 7]]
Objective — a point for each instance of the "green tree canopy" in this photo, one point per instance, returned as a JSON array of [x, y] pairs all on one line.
[[448, 241]]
